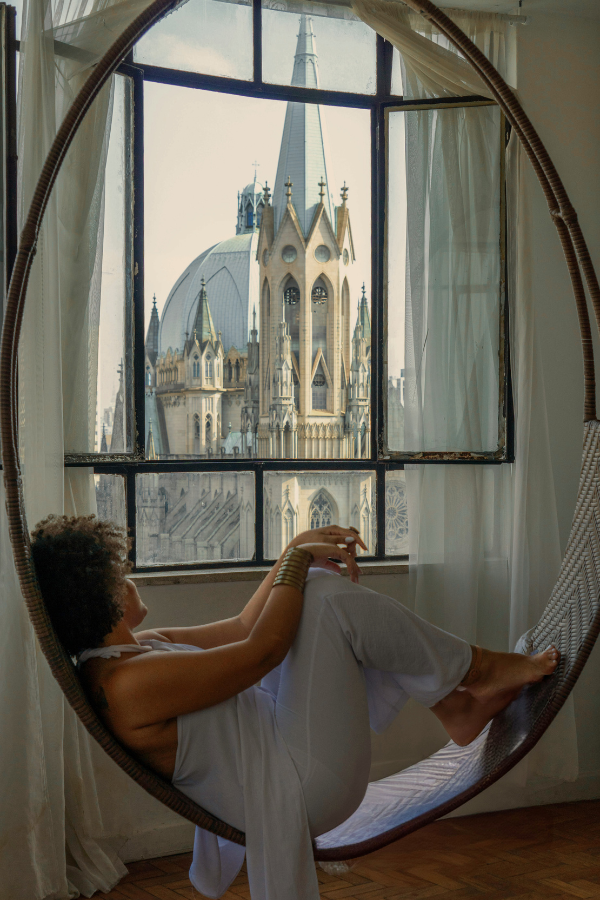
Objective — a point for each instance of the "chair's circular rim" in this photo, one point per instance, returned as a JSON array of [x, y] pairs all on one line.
[[578, 260]]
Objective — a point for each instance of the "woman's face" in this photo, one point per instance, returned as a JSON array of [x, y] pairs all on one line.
[[134, 610]]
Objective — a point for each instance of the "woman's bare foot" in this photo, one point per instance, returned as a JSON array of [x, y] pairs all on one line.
[[509, 672], [464, 713]]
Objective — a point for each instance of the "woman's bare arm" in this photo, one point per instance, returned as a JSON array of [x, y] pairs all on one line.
[[238, 628], [147, 689]]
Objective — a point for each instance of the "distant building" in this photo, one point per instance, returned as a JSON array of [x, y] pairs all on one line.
[[254, 355]]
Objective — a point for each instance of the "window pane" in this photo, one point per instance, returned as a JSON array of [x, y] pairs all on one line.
[[206, 36], [113, 406], [259, 338], [297, 501], [110, 499], [194, 518], [444, 281], [335, 54], [396, 514]]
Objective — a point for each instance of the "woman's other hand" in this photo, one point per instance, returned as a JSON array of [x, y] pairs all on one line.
[[330, 534], [325, 551]]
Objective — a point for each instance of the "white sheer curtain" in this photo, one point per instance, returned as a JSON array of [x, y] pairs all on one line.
[[56, 788], [484, 547]]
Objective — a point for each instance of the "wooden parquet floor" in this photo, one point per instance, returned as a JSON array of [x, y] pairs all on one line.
[[526, 854]]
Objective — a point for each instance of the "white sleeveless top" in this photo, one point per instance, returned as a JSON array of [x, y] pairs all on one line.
[[232, 760]]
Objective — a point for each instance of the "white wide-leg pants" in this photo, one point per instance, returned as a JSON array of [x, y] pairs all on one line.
[[356, 659]]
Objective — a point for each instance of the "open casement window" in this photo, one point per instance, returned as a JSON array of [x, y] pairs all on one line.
[[445, 285], [327, 264]]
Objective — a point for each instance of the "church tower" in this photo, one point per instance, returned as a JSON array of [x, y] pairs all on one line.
[[305, 252]]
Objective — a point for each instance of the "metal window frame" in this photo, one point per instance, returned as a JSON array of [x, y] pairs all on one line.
[[130, 464]]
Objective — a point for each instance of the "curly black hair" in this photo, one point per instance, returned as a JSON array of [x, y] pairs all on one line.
[[81, 564]]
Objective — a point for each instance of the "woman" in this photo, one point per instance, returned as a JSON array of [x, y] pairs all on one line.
[[289, 759]]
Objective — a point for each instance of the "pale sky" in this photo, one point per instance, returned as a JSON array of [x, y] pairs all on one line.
[[200, 148], [199, 151]]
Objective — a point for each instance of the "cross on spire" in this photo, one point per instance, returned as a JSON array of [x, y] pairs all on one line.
[[344, 193], [288, 188], [256, 165], [322, 188]]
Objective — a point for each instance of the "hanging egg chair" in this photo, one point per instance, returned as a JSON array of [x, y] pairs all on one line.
[[394, 806]]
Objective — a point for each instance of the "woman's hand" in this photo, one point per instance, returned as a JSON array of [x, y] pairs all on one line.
[[325, 551], [330, 534]]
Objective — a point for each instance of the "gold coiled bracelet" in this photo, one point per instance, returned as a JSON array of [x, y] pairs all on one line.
[[294, 568]]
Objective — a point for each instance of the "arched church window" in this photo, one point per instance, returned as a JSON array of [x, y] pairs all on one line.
[[321, 511], [197, 426], [291, 296], [249, 217], [237, 370], [291, 293], [319, 291], [229, 371], [196, 367], [319, 389], [208, 430], [208, 367], [319, 316]]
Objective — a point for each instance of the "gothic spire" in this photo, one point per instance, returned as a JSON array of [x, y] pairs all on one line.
[[150, 448], [204, 330], [303, 158], [117, 441], [152, 335], [363, 318]]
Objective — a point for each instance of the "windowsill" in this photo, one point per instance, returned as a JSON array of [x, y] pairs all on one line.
[[212, 576]]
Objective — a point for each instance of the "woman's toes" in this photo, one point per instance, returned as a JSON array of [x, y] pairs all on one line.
[[547, 660]]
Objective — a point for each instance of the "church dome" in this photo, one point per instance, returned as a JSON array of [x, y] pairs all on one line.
[[231, 275], [255, 188]]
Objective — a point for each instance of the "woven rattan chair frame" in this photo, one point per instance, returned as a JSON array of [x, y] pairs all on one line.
[[572, 617]]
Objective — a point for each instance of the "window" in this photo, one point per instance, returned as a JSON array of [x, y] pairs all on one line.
[[284, 300], [321, 511]]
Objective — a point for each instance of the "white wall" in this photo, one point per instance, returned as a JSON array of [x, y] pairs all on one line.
[[558, 77]]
